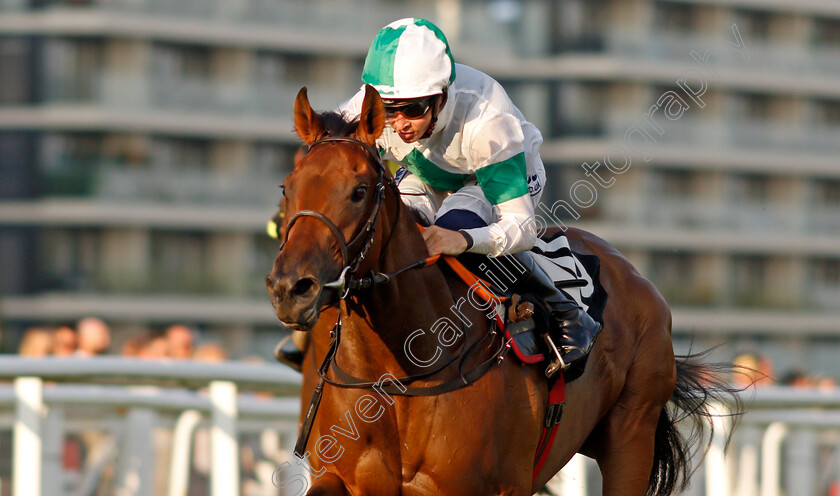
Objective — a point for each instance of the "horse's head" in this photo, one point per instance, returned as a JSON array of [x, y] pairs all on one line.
[[330, 202]]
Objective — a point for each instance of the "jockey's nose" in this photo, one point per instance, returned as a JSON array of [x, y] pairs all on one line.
[[399, 122]]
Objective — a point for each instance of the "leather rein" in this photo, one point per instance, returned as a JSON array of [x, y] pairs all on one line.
[[347, 282]]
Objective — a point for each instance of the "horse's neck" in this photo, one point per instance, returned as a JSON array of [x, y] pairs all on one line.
[[379, 323]]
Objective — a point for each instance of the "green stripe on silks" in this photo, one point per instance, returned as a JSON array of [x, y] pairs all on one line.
[[379, 64], [504, 180], [433, 175]]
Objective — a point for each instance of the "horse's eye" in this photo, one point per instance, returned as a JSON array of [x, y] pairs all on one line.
[[283, 190], [359, 193]]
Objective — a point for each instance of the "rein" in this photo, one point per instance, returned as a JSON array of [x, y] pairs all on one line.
[[347, 282]]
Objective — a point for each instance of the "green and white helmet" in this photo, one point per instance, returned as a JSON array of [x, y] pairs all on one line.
[[409, 58]]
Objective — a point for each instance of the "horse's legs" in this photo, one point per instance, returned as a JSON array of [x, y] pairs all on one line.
[[626, 457], [623, 443], [328, 485]]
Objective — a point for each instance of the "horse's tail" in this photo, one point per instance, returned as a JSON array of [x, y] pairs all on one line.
[[698, 386]]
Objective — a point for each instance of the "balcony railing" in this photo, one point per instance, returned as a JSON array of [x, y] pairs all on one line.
[[150, 91], [776, 57], [735, 134], [474, 25], [155, 282], [107, 180], [721, 214]]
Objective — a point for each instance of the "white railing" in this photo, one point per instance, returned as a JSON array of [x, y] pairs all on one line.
[[39, 420], [778, 447], [42, 405]]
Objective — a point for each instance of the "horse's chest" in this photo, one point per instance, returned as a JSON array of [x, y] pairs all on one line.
[[406, 451]]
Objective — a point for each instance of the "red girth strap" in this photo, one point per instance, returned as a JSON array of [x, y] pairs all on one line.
[[556, 398]]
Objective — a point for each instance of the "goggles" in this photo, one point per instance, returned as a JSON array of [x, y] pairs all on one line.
[[411, 109]]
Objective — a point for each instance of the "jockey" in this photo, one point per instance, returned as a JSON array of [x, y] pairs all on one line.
[[471, 165]]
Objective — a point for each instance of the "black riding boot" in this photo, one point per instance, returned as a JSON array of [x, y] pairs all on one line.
[[571, 329], [289, 353]]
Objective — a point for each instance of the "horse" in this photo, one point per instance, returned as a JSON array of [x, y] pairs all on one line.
[[471, 434]]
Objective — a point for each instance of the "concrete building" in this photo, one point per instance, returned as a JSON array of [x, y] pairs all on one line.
[[141, 143]]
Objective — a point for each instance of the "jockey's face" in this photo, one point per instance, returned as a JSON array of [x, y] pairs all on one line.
[[410, 124]]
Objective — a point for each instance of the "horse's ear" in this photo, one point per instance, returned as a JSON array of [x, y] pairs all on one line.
[[308, 124], [372, 119]]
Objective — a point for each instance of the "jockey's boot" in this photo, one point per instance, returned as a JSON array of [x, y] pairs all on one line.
[[571, 329], [289, 352]]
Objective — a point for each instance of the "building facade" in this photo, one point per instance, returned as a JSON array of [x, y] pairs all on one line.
[[142, 143]]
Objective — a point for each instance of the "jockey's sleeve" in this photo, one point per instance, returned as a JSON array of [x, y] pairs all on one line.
[[515, 231], [497, 151], [353, 106]]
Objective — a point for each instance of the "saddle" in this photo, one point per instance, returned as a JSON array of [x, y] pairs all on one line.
[[526, 319]]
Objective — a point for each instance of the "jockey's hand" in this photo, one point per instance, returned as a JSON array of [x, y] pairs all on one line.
[[445, 241]]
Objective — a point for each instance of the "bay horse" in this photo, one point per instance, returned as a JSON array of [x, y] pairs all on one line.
[[482, 438]]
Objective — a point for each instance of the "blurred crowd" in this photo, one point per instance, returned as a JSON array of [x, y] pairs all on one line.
[[92, 337], [756, 369]]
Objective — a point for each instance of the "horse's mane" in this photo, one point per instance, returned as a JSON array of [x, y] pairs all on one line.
[[338, 123]]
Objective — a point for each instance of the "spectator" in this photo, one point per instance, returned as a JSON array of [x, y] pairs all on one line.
[[826, 383], [132, 347], [94, 336], [180, 340], [210, 352], [752, 369], [36, 342], [64, 341], [156, 348], [797, 378]]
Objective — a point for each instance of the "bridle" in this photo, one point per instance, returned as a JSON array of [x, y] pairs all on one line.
[[346, 280]]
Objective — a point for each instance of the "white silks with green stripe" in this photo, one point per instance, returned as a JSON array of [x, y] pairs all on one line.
[[482, 146], [409, 58]]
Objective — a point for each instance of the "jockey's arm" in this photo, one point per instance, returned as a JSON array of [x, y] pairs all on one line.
[[498, 150], [514, 232]]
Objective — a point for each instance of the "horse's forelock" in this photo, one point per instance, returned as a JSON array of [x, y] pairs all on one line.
[[338, 123]]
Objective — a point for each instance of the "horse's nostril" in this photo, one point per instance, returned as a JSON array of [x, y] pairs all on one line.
[[303, 286]]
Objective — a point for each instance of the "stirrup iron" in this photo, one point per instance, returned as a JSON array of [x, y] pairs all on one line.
[[557, 363]]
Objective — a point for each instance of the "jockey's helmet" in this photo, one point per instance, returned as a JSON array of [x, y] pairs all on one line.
[[409, 58]]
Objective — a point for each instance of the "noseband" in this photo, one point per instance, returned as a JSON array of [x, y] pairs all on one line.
[[366, 233]]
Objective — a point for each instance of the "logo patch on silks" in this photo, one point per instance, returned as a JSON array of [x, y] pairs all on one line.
[[400, 174], [534, 185]]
